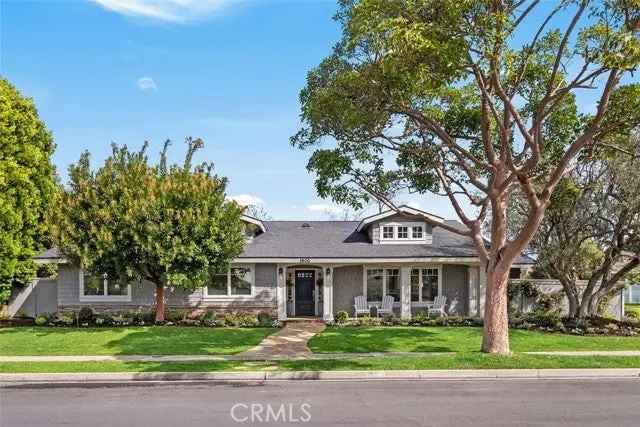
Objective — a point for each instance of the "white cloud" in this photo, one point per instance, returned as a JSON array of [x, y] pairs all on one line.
[[247, 200], [325, 208], [147, 84], [166, 10]]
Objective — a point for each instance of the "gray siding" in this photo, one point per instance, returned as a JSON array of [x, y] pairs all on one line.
[[455, 288], [143, 295], [347, 284]]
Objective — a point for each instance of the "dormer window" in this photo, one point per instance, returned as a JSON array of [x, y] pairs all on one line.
[[404, 232], [388, 232]]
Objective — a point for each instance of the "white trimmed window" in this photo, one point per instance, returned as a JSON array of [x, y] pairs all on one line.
[[236, 281], [404, 232], [425, 284], [382, 281], [97, 288], [388, 232]]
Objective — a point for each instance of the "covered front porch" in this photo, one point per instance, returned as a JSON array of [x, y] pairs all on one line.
[[320, 290]]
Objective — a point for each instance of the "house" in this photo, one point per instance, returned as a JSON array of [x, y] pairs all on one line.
[[312, 269]]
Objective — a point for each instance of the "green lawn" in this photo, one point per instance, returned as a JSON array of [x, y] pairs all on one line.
[[458, 361], [454, 339], [632, 307], [150, 340]]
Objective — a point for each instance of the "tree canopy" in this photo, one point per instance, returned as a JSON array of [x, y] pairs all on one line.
[[471, 100], [591, 231], [133, 221], [27, 187]]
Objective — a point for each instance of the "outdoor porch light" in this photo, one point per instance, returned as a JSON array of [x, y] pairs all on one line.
[[280, 271], [328, 272]]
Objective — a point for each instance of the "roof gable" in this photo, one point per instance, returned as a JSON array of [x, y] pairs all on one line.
[[404, 209]]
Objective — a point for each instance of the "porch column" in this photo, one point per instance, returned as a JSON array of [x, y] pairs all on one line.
[[405, 293], [327, 295], [482, 290], [473, 290], [281, 291]]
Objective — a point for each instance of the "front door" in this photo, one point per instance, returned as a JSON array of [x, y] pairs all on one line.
[[305, 283]]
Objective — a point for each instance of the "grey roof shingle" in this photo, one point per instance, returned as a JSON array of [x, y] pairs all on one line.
[[339, 239]]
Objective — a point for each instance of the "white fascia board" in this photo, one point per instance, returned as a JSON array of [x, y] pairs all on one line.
[[254, 221], [401, 209]]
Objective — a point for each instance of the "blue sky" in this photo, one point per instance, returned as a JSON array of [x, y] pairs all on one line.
[[228, 71]]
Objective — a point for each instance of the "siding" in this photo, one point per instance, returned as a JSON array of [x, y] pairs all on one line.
[[143, 295], [455, 288], [347, 284]]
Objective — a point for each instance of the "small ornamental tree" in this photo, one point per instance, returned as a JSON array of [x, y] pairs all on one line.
[[133, 221], [27, 188], [473, 100]]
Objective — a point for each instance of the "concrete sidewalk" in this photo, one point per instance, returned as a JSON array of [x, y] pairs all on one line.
[[261, 355], [470, 374]]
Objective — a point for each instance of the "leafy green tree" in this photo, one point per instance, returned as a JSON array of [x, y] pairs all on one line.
[[133, 221], [591, 230], [27, 187], [441, 96]]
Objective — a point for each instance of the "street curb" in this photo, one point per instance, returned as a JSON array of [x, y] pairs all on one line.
[[470, 374]]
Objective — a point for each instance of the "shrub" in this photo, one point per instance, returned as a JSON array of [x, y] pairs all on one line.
[[633, 315], [85, 315], [65, 319], [265, 319], [42, 319], [143, 317], [175, 316], [104, 319], [240, 320], [342, 316]]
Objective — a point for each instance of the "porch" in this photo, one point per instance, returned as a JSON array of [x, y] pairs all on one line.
[[306, 290]]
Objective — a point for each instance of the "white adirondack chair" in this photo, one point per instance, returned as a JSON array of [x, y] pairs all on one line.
[[438, 307], [387, 306], [361, 306]]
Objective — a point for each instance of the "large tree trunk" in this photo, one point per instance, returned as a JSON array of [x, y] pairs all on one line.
[[496, 316], [159, 303]]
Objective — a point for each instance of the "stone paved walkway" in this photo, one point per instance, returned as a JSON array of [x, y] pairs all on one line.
[[288, 343]]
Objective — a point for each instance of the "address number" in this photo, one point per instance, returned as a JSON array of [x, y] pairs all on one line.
[[305, 260]]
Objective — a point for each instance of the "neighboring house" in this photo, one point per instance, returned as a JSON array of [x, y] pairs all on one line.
[[316, 268]]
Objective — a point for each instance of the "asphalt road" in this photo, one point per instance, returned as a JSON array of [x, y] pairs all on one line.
[[374, 403]]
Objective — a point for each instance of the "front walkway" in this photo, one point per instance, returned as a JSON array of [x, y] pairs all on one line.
[[288, 343]]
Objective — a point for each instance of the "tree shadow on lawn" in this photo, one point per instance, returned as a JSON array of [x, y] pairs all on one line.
[[148, 340], [389, 339]]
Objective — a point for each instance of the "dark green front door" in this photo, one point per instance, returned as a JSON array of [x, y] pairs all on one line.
[[305, 283]]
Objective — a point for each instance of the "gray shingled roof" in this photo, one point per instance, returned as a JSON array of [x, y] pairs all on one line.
[[338, 239]]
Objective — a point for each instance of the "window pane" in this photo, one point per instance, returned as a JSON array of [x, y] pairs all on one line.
[[93, 285], [429, 284], [393, 283], [415, 285], [403, 232], [240, 281], [114, 287], [387, 232], [374, 285], [218, 284], [417, 232]]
